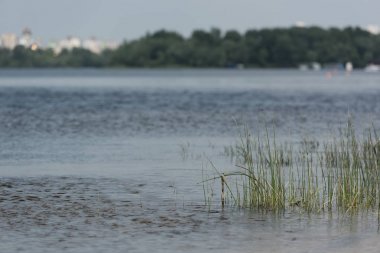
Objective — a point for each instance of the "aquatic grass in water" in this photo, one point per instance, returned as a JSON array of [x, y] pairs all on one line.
[[341, 174]]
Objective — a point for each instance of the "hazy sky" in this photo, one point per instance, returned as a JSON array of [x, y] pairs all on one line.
[[119, 19]]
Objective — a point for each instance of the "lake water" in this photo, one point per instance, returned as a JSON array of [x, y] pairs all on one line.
[[112, 160]]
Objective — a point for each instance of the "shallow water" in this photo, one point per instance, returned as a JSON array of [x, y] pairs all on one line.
[[111, 160], [72, 214]]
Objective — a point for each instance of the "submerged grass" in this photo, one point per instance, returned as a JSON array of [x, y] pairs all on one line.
[[342, 174]]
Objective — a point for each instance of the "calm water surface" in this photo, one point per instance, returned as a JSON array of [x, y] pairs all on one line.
[[111, 160]]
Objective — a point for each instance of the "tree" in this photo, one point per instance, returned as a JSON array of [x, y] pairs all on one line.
[[278, 47]]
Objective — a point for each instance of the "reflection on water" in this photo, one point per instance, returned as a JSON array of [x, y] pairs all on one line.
[[95, 161]]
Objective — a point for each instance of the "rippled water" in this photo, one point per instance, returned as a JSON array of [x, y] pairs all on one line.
[[111, 160]]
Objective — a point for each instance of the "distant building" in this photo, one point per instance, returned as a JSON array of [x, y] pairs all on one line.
[[97, 46], [92, 45], [300, 24], [69, 43], [112, 45], [374, 29], [34, 46], [9, 40], [26, 38]]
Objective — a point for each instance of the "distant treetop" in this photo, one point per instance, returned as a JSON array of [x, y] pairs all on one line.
[[274, 48]]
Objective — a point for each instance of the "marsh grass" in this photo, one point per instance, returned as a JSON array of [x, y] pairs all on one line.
[[341, 174]]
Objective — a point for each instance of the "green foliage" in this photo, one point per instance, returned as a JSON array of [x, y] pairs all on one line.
[[278, 47], [342, 174]]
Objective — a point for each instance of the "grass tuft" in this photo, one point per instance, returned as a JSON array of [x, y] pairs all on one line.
[[342, 174]]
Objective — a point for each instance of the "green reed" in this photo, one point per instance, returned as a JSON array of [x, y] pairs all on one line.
[[341, 174]]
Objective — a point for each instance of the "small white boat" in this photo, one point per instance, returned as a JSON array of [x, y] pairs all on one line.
[[372, 68], [349, 67]]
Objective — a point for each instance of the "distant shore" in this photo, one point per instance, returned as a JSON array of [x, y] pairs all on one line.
[[294, 47]]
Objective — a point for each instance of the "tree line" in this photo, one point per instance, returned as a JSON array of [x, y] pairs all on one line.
[[264, 48]]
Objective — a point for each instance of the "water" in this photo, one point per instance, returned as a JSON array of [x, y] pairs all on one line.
[[111, 160]]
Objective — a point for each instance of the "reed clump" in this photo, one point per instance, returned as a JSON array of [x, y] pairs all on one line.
[[340, 174]]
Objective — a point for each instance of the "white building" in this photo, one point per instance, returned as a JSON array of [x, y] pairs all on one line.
[[69, 43], [300, 24], [26, 38], [374, 29], [92, 45], [97, 46], [8, 40], [112, 45]]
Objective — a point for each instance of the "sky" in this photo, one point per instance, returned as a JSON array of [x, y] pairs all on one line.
[[130, 19]]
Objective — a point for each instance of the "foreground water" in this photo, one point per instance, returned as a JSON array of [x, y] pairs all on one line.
[[101, 160]]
